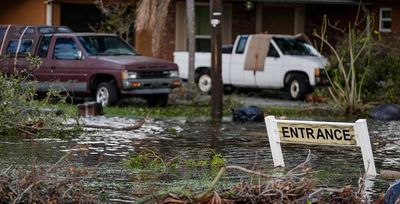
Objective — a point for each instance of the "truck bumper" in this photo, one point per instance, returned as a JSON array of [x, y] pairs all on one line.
[[150, 86], [321, 81]]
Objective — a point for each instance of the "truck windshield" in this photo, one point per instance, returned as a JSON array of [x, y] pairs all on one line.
[[106, 46], [290, 46]]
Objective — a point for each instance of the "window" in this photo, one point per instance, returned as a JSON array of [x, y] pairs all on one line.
[[227, 49], [44, 46], [64, 29], [28, 30], [45, 30], [24, 47], [105, 46], [2, 31], [272, 51], [290, 46], [241, 45], [65, 49], [203, 28], [385, 20]]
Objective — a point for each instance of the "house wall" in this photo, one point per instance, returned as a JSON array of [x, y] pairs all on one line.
[[243, 21], [314, 15], [395, 6], [25, 12]]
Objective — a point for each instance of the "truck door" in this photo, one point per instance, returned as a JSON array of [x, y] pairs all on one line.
[[43, 75], [270, 77], [68, 66], [239, 76]]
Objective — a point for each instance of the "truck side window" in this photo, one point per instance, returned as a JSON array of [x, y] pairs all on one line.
[[272, 51], [241, 45], [24, 47], [44, 46], [65, 49], [2, 31]]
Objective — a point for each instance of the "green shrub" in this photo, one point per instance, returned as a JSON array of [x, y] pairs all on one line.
[[382, 82], [349, 61], [20, 114]]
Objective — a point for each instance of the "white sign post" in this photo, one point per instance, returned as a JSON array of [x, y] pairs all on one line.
[[319, 133]]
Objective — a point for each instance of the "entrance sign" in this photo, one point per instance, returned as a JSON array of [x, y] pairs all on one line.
[[319, 133]]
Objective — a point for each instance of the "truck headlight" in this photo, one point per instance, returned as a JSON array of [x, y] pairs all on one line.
[[129, 75], [317, 72], [173, 74]]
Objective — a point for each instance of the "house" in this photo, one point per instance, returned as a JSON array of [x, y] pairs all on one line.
[[239, 17], [272, 16]]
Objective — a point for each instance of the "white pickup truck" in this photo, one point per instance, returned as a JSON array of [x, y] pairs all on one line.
[[262, 61]]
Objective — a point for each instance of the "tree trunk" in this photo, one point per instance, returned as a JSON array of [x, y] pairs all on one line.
[[191, 47]]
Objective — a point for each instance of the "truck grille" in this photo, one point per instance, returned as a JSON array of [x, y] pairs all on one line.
[[153, 74]]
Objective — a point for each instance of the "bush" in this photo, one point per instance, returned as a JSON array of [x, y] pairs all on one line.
[[20, 114], [382, 80], [349, 62]]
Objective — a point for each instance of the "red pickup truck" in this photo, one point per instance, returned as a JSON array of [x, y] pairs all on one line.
[[99, 65]]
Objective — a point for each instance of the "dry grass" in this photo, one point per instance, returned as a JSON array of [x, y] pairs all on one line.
[[39, 185], [297, 186], [151, 15]]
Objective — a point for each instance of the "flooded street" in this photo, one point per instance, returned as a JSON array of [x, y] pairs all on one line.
[[244, 144]]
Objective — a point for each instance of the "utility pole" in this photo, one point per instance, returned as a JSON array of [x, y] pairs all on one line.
[[216, 59], [190, 13]]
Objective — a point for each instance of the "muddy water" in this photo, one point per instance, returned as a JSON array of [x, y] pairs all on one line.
[[243, 144]]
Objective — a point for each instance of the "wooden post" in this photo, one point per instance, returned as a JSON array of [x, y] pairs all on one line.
[[274, 141], [216, 60], [190, 13], [364, 142]]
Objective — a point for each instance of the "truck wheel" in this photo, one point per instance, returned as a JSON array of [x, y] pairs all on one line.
[[106, 94], [204, 82], [160, 100], [297, 87]]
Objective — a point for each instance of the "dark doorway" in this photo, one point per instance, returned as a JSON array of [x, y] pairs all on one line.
[[278, 20], [79, 17]]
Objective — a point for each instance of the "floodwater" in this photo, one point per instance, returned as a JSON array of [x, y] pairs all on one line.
[[244, 144]]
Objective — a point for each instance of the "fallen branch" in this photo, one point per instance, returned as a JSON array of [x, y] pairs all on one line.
[[128, 128], [210, 190], [249, 171], [5, 171], [307, 161], [58, 162], [320, 190]]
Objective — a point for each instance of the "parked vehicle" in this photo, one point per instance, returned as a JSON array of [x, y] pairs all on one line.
[[262, 61], [99, 65]]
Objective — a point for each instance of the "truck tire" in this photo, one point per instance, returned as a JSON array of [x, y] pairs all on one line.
[[297, 87], [157, 100], [204, 81], [106, 94]]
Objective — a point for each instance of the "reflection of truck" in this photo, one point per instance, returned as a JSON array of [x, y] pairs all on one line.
[[89, 64], [262, 61]]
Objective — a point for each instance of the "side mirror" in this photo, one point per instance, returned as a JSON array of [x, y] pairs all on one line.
[[80, 55]]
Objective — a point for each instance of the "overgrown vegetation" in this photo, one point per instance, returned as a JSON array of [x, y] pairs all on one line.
[[119, 18], [382, 82], [20, 114], [364, 65], [349, 62], [149, 159], [294, 186], [39, 186]]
